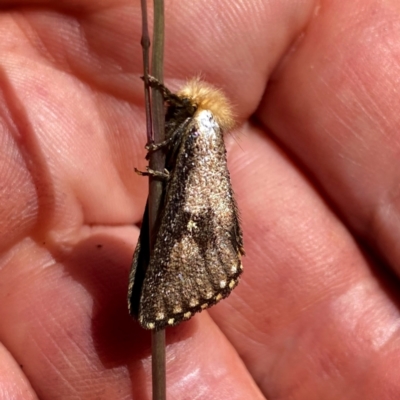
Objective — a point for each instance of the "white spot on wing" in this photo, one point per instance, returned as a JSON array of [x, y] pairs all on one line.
[[191, 225], [193, 302], [177, 310], [160, 316]]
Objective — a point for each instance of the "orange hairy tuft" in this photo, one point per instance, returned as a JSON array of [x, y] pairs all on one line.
[[206, 97]]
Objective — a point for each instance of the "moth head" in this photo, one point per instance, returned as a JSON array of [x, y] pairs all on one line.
[[204, 96]]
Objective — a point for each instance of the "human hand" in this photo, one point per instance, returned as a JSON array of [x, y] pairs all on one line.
[[314, 171]]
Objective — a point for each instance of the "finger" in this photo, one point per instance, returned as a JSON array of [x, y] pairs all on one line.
[[13, 382], [210, 366], [72, 332], [60, 139], [334, 103], [362, 325], [310, 317], [233, 45]]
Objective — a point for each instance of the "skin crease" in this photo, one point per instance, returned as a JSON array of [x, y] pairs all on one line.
[[315, 171]]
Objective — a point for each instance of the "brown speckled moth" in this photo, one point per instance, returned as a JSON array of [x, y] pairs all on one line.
[[196, 260]]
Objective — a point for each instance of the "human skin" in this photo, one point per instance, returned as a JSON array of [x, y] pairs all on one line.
[[314, 162]]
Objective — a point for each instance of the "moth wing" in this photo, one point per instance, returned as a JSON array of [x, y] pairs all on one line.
[[198, 247], [140, 262]]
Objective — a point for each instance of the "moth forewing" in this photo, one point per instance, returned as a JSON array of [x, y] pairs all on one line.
[[196, 259], [140, 262]]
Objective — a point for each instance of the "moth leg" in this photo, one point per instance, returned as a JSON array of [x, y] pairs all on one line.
[[166, 93], [178, 131], [150, 172]]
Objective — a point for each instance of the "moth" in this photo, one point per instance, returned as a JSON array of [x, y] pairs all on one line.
[[198, 243]]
